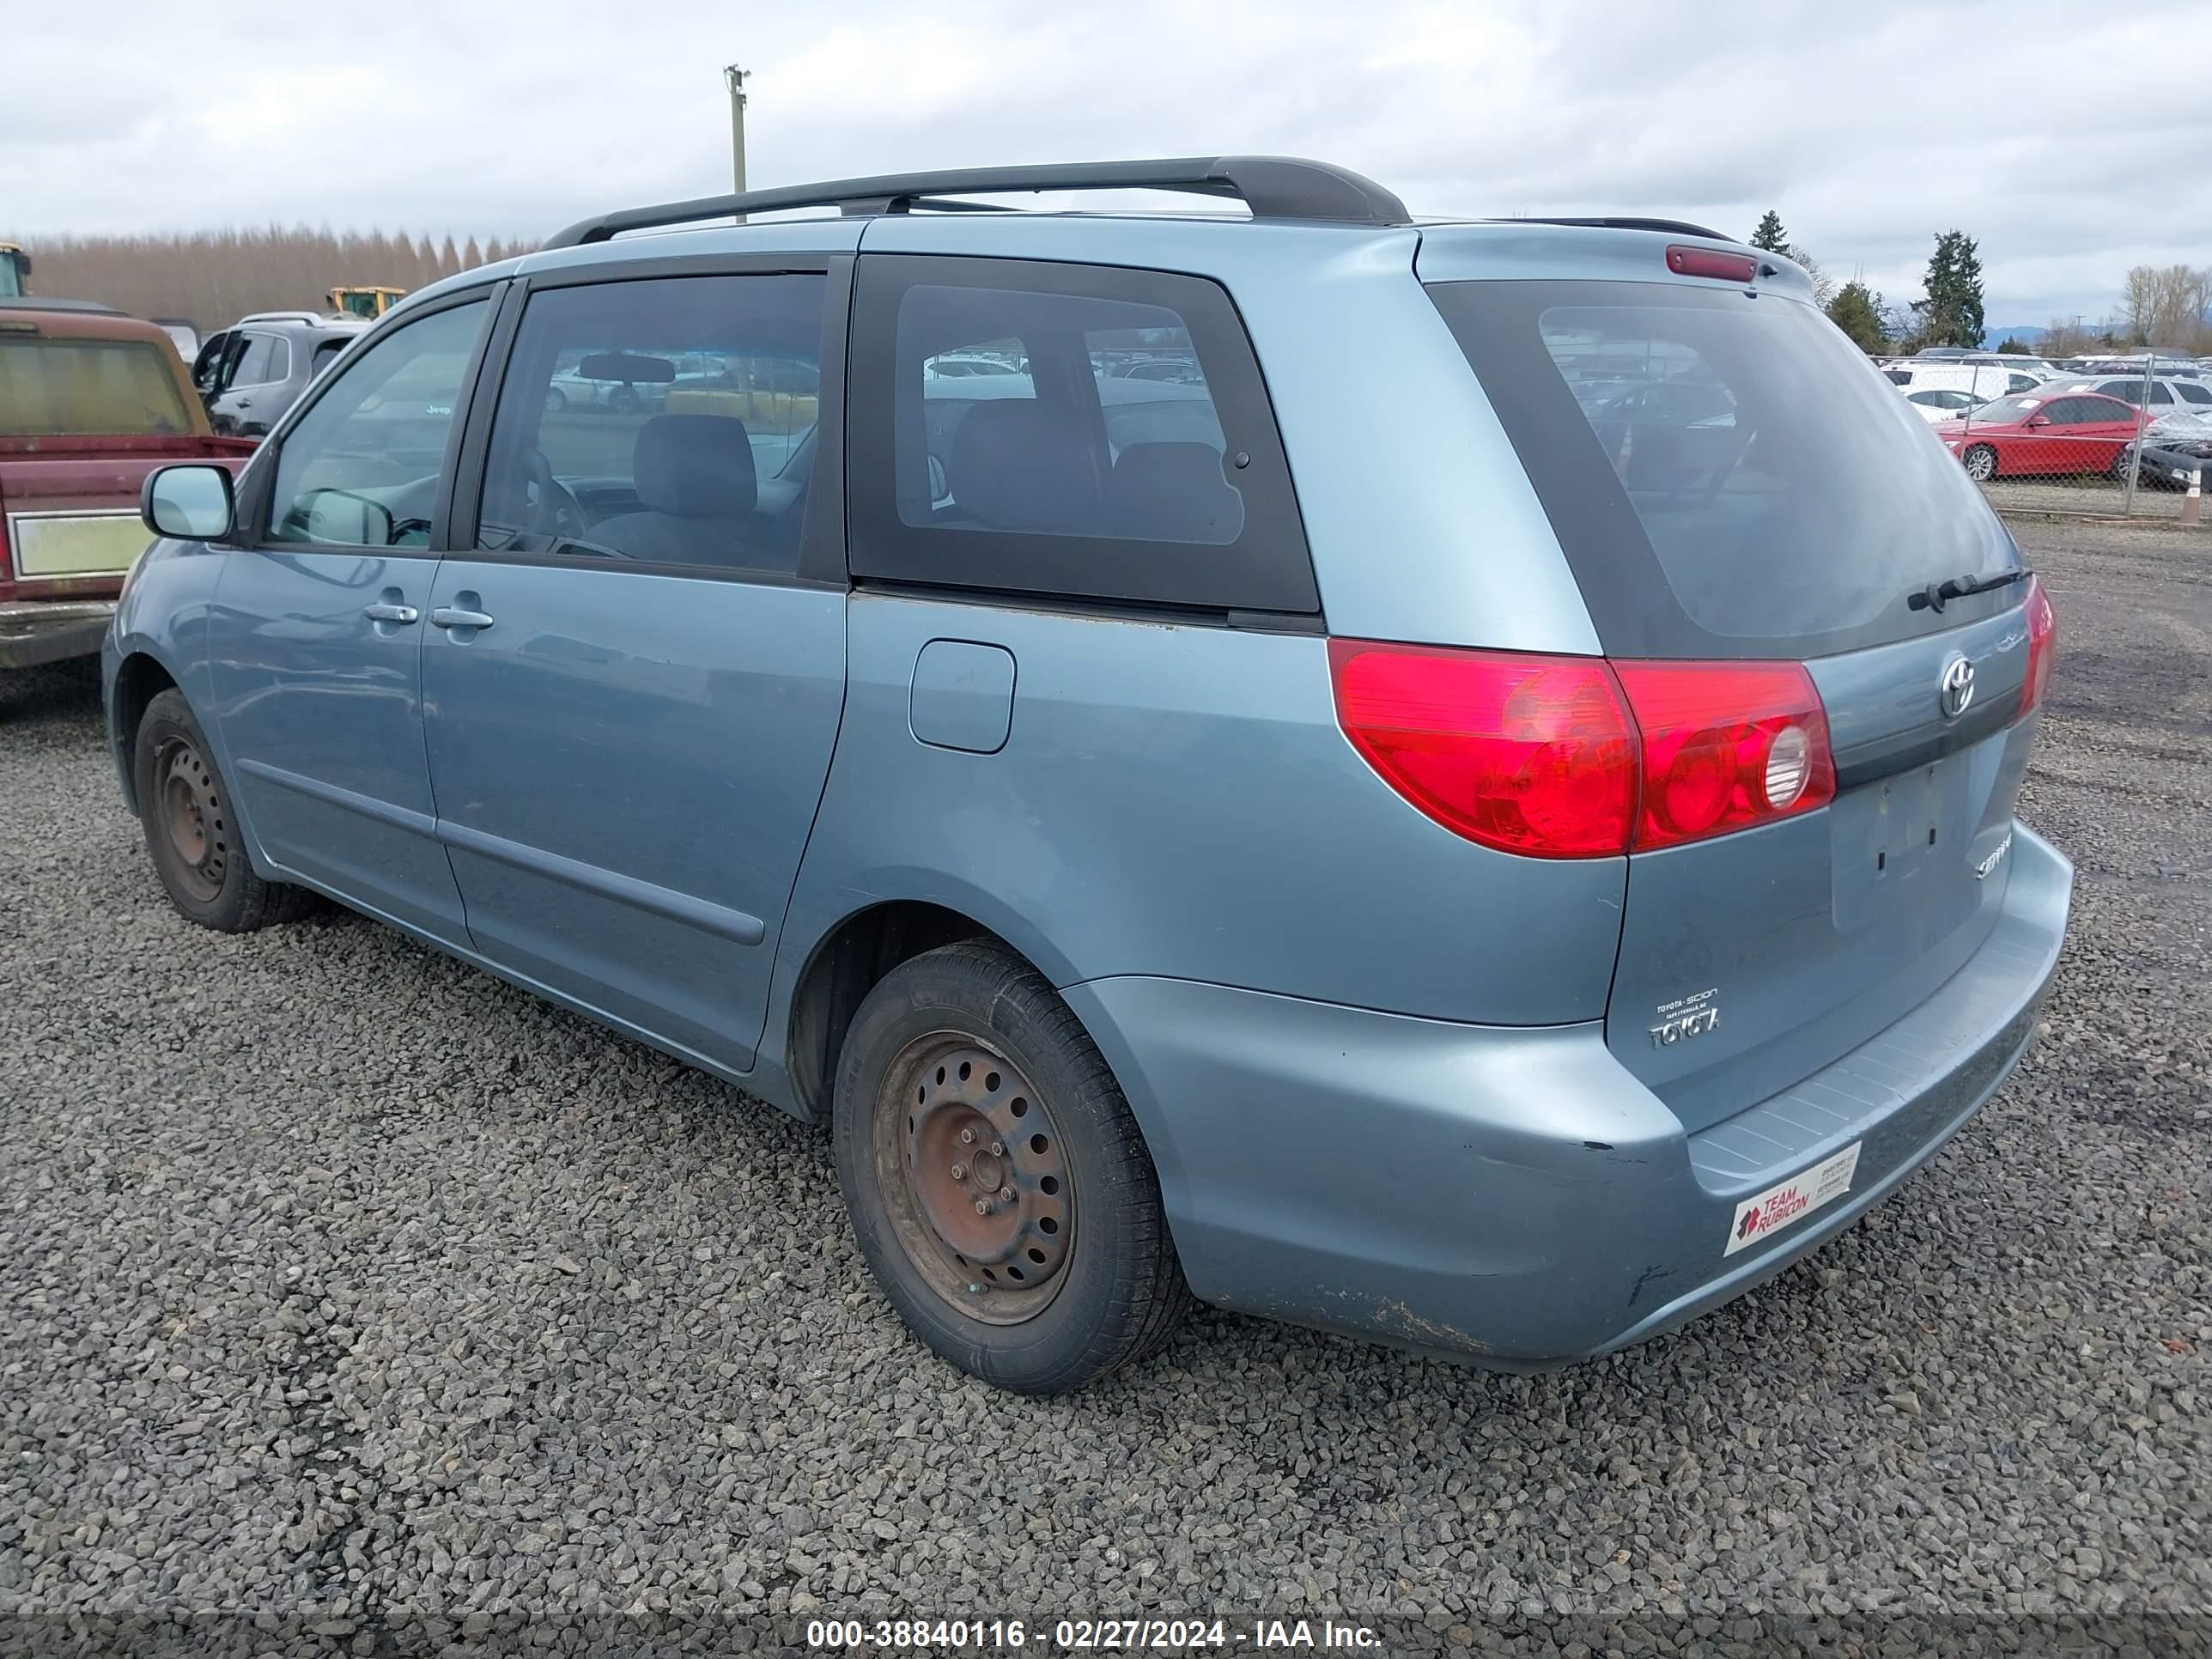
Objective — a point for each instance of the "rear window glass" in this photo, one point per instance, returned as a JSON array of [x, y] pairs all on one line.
[[54, 388], [1726, 475]]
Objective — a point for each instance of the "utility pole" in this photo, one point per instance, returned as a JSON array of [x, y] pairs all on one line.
[[736, 78]]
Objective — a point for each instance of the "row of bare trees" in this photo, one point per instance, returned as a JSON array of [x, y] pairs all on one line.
[[211, 277], [2166, 306]]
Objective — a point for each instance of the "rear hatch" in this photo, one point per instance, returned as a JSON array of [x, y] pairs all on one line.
[[1733, 483]]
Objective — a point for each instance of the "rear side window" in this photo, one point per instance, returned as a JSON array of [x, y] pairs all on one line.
[[54, 387], [253, 360], [1066, 430], [1724, 476]]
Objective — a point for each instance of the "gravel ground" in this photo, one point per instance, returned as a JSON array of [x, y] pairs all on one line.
[[348, 1288]]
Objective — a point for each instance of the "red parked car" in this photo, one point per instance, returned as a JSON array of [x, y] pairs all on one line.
[[2031, 435], [90, 403]]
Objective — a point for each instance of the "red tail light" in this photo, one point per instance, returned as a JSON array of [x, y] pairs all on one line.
[[1726, 745], [1533, 755], [2042, 647], [1579, 757]]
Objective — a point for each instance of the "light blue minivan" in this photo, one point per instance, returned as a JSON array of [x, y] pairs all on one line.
[[1452, 781]]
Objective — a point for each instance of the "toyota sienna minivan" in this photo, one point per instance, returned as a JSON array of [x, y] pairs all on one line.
[[1471, 802]]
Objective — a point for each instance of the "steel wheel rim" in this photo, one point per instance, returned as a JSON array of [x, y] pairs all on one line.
[[190, 814], [959, 1127]]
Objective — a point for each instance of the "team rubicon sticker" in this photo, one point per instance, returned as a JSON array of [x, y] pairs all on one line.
[[1770, 1212]]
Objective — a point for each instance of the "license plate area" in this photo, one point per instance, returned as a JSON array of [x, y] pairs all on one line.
[[1901, 842]]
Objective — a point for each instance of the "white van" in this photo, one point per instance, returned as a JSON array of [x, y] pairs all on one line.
[[1985, 381]]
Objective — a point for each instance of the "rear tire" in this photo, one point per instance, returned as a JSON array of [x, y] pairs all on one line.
[[998, 1187], [191, 833], [1980, 462]]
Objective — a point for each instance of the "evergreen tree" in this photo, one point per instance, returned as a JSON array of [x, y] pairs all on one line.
[[1770, 235], [1856, 310], [2013, 348], [1951, 315]]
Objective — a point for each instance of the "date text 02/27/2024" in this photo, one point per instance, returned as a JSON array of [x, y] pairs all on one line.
[[1090, 1635]]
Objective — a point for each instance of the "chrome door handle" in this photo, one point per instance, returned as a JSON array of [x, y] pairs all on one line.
[[392, 613], [446, 616]]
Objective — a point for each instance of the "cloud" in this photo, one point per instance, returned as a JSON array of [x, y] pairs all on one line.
[[2029, 125]]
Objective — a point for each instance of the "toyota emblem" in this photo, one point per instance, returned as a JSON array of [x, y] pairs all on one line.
[[1956, 689]]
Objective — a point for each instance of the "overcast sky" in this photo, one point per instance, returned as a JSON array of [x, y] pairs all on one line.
[[2073, 140]]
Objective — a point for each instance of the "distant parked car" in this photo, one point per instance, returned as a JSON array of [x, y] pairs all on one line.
[[1181, 371], [968, 365], [2039, 436], [2165, 394], [249, 375], [1983, 380], [2172, 449], [184, 332], [90, 403], [1943, 402]]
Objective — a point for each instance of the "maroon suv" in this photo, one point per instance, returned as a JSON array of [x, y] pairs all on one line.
[[90, 403]]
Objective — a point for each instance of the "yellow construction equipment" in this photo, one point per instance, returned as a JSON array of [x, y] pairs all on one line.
[[365, 301]]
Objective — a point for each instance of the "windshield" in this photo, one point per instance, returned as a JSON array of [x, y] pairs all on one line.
[[2007, 411], [53, 388], [1727, 475]]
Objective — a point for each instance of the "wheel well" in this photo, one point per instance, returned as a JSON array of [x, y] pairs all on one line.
[[844, 969], [138, 683]]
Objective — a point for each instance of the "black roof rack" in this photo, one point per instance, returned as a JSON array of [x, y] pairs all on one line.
[[1669, 227], [1272, 186]]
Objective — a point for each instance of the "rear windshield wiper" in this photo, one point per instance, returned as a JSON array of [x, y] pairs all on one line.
[[1937, 595]]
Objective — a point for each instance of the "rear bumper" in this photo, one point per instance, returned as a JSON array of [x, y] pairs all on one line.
[[35, 631], [1514, 1194]]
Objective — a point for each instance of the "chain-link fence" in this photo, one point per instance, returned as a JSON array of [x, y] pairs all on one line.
[[2130, 434]]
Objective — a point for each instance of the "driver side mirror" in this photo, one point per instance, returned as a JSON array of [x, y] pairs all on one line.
[[192, 503], [2038, 420]]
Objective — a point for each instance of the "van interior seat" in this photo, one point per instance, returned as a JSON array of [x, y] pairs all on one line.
[[696, 489], [1019, 464], [1173, 492]]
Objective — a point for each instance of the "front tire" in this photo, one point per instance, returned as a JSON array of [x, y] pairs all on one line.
[[1980, 462], [192, 832], [998, 1187]]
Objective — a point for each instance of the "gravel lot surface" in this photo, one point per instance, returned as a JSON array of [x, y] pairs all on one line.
[[343, 1285]]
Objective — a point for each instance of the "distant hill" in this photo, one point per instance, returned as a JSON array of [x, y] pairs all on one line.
[[1996, 334]]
